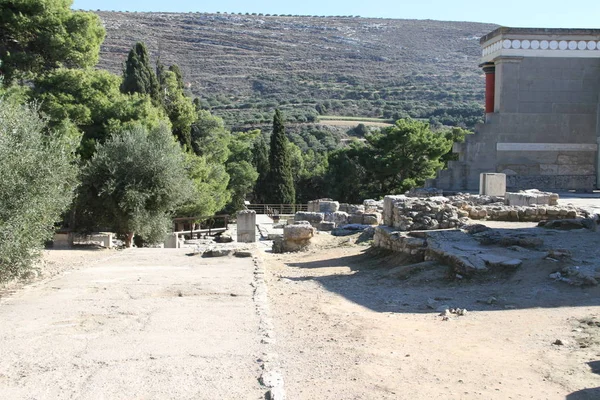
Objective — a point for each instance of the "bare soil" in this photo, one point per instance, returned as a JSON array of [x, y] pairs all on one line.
[[347, 331]]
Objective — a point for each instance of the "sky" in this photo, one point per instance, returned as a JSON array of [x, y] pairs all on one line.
[[523, 13]]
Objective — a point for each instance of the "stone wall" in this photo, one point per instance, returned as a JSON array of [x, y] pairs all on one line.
[[544, 130], [409, 214]]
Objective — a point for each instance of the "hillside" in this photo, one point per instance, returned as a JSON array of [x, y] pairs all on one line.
[[242, 66]]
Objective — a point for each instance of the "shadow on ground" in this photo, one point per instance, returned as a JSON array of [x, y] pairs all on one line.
[[368, 284], [588, 394]]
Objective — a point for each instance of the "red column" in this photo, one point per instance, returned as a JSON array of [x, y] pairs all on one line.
[[490, 86]]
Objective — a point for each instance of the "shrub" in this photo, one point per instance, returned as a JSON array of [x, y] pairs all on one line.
[[38, 180], [134, 183]]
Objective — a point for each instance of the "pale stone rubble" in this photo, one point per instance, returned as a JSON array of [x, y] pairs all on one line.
[[437, 212]]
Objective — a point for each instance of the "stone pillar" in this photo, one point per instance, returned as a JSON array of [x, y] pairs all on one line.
[[246, 226], [172, 241], [492, 184], [490, 86]]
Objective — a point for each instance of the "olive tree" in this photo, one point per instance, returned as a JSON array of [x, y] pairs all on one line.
[[134, 183], [38, 179]]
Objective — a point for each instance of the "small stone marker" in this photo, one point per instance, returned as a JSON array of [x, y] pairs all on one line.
[[246, 226], [492, 184]]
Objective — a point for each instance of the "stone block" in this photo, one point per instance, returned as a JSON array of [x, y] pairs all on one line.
[[246, 226], [576, 169], [298, 232], [314, 218], [339, 218], [530, 197], [371, 219], [62, 240], [172, 241], [355, 219], [388, 208], [492, 184], [326, 226]]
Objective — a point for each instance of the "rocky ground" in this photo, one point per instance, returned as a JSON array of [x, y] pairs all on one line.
[[337, 321], [347, 330]]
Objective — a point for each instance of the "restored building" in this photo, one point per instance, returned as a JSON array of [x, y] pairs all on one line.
[[542, 125]]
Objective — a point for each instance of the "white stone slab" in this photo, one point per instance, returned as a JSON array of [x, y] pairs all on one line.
[[546, 146]]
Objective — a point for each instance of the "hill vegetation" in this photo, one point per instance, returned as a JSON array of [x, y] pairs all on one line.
[[242, 67], [170, 128]]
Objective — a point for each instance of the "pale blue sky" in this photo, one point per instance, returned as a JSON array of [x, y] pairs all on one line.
[[523, 13]]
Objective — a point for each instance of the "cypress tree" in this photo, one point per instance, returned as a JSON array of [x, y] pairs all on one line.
[[138, 77], [280, 179], [260, 160]]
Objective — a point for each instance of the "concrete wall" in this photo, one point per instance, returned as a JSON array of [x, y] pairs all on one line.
[[544, 131]]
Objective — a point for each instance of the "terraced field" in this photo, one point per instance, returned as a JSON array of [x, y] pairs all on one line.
[[242, 66]]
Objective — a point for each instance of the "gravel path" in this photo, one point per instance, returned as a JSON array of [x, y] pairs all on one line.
[[140, 324]]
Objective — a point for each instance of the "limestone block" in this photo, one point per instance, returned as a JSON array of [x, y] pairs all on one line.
[[326, 206], [62, 240], [246, 226], [314, 218], [492, 184], [372, 219], [172, 241], [298, 232], [531, 197], [339, 218], [326, 226], [355, 219], [388, 208]]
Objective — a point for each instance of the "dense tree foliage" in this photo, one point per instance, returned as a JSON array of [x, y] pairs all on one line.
[[404, 155], [134, 183], [138, 75], [38, 35], [391, 161], [210, 181], [177, 105], [243, 174], [260, 160], [280, 179], [37, 184], [91, 100]]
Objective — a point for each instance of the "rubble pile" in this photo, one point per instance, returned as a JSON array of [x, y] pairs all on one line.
[[327, 215], [437, 212]]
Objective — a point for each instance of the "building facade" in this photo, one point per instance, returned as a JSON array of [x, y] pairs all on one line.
[[542, 125]]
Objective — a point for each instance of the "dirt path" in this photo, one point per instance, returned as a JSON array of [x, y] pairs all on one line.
[[347, 332], [139, 324]]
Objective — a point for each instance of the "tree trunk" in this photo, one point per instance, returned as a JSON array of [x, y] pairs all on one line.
[[129, 240]]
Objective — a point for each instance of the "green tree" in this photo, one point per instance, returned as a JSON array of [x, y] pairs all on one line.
[[179, 108], [38, 180], [280, 179], [347, 175], [38, 35], [403, 156], [91, 100], [210, 181], [311, 181], [260, 161], [210, 138], [135, 182], [455, 135], [138, 76], [242, 173]]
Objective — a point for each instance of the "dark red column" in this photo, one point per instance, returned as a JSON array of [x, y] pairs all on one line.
[[490, 86]]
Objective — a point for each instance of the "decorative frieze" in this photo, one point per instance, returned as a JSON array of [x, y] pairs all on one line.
[[526, 42]]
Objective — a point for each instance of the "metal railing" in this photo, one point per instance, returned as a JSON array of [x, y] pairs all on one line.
[[200, 225], [277, 209]]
